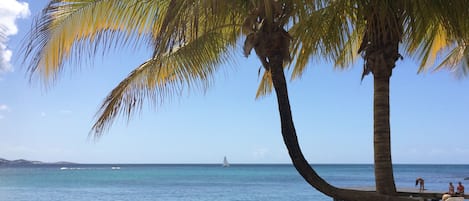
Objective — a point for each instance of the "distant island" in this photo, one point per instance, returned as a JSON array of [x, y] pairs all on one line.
[[23, 162]]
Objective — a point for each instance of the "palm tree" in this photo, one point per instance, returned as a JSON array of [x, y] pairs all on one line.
[[376, 29], [426, 29], [190, 41]]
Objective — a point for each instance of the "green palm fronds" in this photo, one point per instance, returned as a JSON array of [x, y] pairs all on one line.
[[190, 40], [159, 79], [68, 30]]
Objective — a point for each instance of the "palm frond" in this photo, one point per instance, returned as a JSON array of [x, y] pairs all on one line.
[[436, 33], [75, 29], [456, 60], [454, 19], [349, 53], [265, 85], [190, 66], [184, 21], [435, 43], [3, 40], [3, 34], [322, 32], [424, 34]]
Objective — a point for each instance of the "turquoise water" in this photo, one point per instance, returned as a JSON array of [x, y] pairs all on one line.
[[200, 182]]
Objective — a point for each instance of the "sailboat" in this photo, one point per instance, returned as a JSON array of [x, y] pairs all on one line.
[[225, 162]]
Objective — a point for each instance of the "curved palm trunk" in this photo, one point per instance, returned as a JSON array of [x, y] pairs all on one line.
[[290, 139], [384, 177]]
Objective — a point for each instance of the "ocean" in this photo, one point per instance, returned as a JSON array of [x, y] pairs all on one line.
[[209, 182]]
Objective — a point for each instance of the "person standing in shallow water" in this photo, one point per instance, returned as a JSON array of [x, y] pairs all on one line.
[[421, 182]]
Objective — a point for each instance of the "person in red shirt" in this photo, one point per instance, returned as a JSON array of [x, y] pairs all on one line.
[[460, 189]]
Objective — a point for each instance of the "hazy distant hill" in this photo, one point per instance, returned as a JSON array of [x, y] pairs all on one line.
[[5, 162]]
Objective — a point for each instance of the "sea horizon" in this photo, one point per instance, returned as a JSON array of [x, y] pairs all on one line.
[[65, 162], [220, 163]]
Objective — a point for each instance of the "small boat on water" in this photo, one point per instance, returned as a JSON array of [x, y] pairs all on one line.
[[225, 162], [466, 178]]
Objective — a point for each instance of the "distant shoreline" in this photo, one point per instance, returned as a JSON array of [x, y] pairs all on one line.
[[24, 162]]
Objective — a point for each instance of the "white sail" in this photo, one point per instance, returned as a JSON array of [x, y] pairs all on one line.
[[225, 162]]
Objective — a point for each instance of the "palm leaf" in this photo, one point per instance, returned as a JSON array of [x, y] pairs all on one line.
[[3, 40], [70, 29], [323, 32], [265, 85], [3, 34], [436, 33], [456, 61], [185, 20], [159, 79]]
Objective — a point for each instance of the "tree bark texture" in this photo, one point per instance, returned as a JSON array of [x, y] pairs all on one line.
[[384, 174], [380, 46]]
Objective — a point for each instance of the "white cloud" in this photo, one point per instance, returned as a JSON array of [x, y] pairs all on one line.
[[260, 153], [10, 10], [4, 107], [64, 112]]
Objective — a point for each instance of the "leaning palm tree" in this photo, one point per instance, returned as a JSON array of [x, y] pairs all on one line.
[[191, 39], [376, 29], [339, 30]]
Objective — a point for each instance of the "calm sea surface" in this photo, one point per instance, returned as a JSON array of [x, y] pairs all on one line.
[[200, 182]]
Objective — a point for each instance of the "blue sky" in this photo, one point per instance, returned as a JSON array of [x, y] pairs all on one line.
[[332, 112]]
